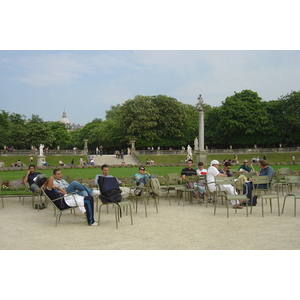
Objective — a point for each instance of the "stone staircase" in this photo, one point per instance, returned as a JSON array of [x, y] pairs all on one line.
[[112, 160]]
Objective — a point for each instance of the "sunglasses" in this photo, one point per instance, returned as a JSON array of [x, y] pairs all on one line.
[[142, 169]]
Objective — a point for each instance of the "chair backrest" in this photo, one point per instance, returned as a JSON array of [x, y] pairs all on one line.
[[202, 178], [235, 173], [127, 181], [224, 180], [192, 178], [290, 180], [163, 180], [219, 181], [173, 178], [261, 183], [249, 174], [284, 171]]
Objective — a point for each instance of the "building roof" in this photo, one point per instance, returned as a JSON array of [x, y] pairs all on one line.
[[64, 119]]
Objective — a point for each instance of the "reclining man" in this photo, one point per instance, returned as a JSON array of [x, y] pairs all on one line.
[[73, 187], [85, 204]]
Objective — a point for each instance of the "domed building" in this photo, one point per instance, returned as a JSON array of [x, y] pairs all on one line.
[[67, 122], [64, 119]]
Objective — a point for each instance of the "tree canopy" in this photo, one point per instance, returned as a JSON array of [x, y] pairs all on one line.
[[242, 120]]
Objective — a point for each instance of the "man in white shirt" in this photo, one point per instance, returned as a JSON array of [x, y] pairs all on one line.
[[210, 177]]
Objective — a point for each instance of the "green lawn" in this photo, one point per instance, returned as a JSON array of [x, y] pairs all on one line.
[[126, 171]]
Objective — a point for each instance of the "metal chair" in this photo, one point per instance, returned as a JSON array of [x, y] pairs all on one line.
[[220, 183], [33, 195], [289, 181], [188, 188], [262, 184], [57, 210], [117, 206], [7, 196], [235, 198], [280, 178]]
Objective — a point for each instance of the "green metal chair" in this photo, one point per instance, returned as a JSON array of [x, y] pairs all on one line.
[[187, 189], [33, 195], [290, 180], [117, 207], [57, 211], [257, 181], [7, 196], [221, 181]]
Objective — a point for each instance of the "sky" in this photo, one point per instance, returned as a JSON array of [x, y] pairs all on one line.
[[86, 83], [82, 59]]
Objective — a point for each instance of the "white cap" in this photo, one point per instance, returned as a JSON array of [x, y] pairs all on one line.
[[214, 162]]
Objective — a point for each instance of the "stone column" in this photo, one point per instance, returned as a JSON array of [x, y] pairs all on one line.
[[201, 153]]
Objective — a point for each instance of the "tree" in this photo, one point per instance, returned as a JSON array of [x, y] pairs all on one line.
[[61, 136], [290, 123], [37, 132], [242, 120]]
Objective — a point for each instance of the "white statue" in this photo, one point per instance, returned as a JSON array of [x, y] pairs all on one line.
[[189, 150], [196, 144], [41, 149]]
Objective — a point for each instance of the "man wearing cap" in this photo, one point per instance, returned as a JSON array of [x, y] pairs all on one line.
[[210, 177]]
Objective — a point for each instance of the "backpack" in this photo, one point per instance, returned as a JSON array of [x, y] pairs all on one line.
[[110, 190], [154, 187]]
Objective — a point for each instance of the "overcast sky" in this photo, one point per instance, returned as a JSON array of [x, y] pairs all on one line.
[[86, 83]]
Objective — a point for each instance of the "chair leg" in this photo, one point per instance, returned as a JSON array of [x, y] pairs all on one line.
[[284, 203], [117, 216], [130, 209]]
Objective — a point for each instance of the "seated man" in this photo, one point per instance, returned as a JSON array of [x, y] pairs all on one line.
[[229, 189], [189, 171], [265, 170], [73, 187], [245, 167], [29, 177], [105, 170], [85, 204], [44, 163]]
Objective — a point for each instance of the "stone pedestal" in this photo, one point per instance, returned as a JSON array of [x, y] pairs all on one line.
[[39, 160], [201, 155]]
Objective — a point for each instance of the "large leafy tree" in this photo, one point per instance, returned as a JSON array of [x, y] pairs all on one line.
[[61, 136], [242, 120], [37, 132], [290, 121], [156, 121]]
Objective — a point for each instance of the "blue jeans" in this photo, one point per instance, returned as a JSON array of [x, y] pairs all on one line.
[[144, 180], [76, 187]]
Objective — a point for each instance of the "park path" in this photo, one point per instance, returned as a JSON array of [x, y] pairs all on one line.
[[112, 160]]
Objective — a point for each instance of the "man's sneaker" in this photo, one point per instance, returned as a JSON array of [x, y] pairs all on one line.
[[137, 192], [94, 224], [95, 193]]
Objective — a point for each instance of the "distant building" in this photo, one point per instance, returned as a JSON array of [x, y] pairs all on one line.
[[70, 126]]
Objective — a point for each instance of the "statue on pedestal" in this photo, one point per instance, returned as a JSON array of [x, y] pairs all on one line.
[[41, 148]]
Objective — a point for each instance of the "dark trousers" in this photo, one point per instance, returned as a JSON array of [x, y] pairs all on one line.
[[89, 207], [249, 194]]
